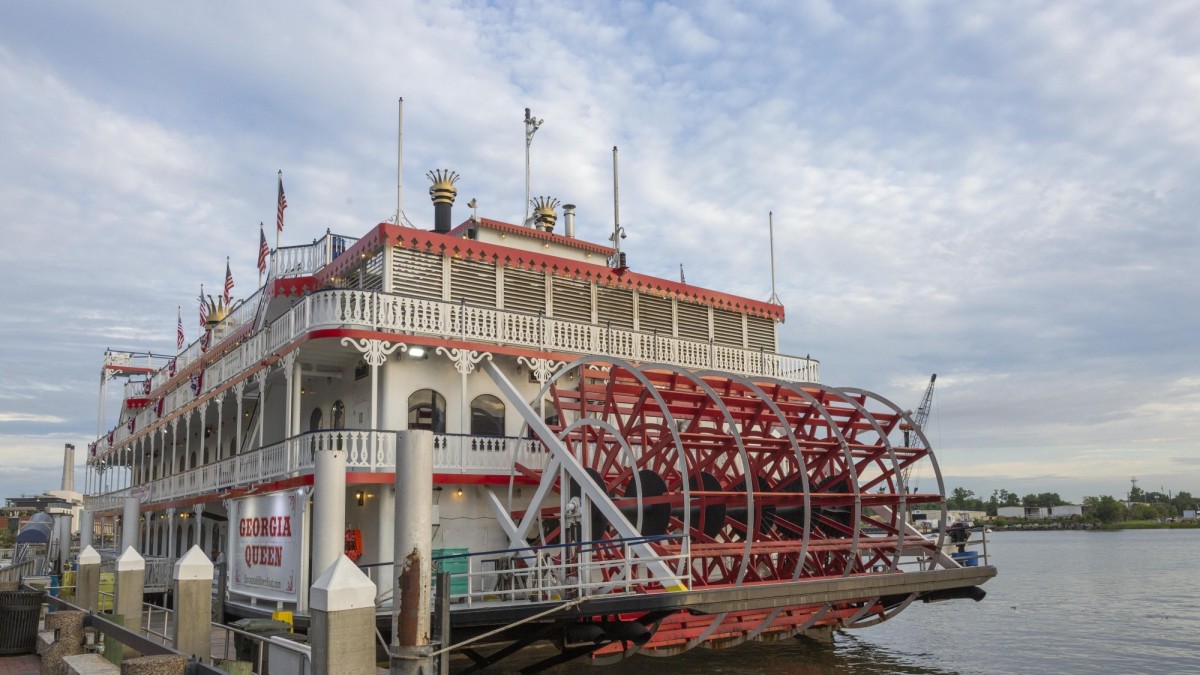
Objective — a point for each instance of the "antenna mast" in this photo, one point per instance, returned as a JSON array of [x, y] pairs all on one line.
[[618, 231], [531, 127], [400, 163], [774, 299]]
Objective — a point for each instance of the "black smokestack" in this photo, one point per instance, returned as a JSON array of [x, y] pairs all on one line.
[[443, 193]]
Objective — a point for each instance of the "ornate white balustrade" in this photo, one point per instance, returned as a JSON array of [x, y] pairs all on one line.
[[366, 451]]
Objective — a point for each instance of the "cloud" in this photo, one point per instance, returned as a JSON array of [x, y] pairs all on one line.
[[997, 193], [29, 417]]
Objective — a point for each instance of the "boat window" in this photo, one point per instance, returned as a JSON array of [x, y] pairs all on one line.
[[487, 416], [337, 415], [427, 410], [314, 420]]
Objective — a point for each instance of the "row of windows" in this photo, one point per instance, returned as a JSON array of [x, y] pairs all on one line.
[[427, 410]]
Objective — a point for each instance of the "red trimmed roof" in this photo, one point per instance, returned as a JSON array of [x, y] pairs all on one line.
[[446, 244], [533, 233]]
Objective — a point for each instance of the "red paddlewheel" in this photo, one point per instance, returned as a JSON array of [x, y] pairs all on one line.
[[750, 481]]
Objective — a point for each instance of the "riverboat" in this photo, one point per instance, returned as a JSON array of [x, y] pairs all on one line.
[[629, 450]]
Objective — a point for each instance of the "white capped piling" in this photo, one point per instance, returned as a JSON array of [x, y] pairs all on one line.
[[87, 580], [342, 633], [190, 633], [131, 580]]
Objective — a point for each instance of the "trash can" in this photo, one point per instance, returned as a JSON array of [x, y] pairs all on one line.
[[19, 614], [247, 649]]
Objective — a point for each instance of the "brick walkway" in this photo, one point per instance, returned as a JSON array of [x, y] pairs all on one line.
[[20, 665]]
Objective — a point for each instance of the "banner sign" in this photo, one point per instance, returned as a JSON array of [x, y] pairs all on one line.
[[265, 546]]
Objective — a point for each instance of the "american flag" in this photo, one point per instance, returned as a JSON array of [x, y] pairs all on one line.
[[179, 329], [281, 206], [264, 251], [158, 407], [203, 308], [110, 437], [171, 368], [130, 424], [197, 383], [228, 282], [204, 339]]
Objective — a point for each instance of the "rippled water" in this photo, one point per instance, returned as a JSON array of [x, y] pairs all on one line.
[[1064, 602]]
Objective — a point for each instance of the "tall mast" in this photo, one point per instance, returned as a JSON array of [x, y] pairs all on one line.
[[618, 233], [531, 127], [774, 299], [400, 163]]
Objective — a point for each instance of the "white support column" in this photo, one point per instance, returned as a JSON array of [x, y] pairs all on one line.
[[287, 364], [86, 525], [187, 443], [297, 385], [239, 391], [197, 523], [375, 353], [464, 362], [219, 400], [171, 532], [130, 517], [261, 378], [329, 507]]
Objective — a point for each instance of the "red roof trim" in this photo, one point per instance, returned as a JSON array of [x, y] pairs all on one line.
[[532, 233]]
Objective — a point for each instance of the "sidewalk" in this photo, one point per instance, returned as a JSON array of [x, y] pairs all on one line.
[[25, 664]]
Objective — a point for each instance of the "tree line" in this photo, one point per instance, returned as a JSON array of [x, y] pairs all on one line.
[[1142, 504]]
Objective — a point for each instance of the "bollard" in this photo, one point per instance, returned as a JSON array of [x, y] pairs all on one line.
[[131, 580], [191, 633], [68, 640], [342, 633], [87, 580]]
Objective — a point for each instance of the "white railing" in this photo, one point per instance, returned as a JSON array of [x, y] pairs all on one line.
[[366, 451], [300, 261], [460, 453], [528, 575], [434, 318]]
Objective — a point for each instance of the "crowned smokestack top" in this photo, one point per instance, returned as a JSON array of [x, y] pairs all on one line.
[[443, 193], [68, 477], [569, 220], [543, 212]]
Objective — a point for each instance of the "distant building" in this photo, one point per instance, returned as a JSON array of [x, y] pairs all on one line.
[[1040, 512], [54, 502], [1026, 512], [1189, 514], [1066, 511]]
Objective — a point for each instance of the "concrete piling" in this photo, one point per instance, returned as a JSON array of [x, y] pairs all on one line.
[[191, 633], [87, 580], [131, 580], [342, 633]]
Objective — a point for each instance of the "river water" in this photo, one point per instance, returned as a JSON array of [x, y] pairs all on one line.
[[1063, 602]]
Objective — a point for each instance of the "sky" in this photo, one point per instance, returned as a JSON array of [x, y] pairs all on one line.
[[1002, 193]]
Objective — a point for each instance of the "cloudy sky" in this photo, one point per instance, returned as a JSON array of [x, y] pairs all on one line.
[[1004, 193]]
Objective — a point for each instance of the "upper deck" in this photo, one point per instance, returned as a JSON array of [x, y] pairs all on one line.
[[428, 287]]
